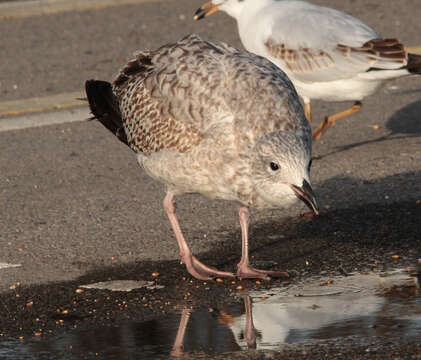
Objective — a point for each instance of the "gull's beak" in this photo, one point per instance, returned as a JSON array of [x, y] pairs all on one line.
[[306, 194], [206, 10]]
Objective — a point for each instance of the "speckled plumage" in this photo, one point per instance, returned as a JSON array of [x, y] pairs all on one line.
[[186, 96], [189, 85], [207, 118]]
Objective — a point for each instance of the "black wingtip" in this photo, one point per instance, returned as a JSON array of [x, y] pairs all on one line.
[[104, 107]]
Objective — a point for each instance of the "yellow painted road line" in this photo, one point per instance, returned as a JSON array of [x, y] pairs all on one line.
[[414, 49], [4, 265], [22, 9], [43, 111], [40, 104]]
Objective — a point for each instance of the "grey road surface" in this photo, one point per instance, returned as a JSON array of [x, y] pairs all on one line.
[[73, 199]]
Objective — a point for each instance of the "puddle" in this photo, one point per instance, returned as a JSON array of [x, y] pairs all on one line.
[[360, 306]]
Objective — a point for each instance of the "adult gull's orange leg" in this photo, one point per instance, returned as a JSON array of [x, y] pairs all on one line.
[[307, 111], [330, 120]]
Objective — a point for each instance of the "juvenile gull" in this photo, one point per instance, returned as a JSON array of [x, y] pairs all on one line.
[[207, 118], [327, 54]]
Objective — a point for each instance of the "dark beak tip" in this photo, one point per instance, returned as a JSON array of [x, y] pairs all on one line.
[[199, 15], [306, 194], [314, 205]]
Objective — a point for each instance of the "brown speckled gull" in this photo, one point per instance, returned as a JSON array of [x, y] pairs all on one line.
[[207, 118]]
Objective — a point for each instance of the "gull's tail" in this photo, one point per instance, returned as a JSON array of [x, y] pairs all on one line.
[[104, 107], [414, 64]]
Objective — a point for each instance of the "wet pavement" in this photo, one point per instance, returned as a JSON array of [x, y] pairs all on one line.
[[376, 305]]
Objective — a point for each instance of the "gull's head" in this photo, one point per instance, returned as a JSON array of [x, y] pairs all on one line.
[[231, 7], [281, 171]]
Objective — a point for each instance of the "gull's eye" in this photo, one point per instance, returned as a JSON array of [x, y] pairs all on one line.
[[274, 166]]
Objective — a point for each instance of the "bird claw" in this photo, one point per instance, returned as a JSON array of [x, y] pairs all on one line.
[[201, 271], [247, 272]]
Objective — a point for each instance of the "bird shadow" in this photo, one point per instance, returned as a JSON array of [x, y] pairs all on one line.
[[406, 120], [368, 227], [345, 237], [404, 123]]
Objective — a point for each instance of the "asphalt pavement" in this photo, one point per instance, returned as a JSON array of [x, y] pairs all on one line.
[[75, 205]]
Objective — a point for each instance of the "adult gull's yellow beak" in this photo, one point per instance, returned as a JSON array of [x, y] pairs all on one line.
[[206, 10]]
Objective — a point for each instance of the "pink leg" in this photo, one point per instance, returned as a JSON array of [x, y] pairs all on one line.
[[194, 266], [244, 270], [178, 347]]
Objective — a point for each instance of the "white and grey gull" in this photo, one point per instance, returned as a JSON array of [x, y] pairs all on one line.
[[328, 54], [207, 118]]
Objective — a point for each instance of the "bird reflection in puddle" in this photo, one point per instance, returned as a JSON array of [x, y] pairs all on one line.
[[223, 318], [178, 347], [266, 324]]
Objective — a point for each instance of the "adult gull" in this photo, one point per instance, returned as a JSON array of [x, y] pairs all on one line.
[[327, 54]]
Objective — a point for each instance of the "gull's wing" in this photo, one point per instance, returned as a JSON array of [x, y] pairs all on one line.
[[316, 43], [174, 97]]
